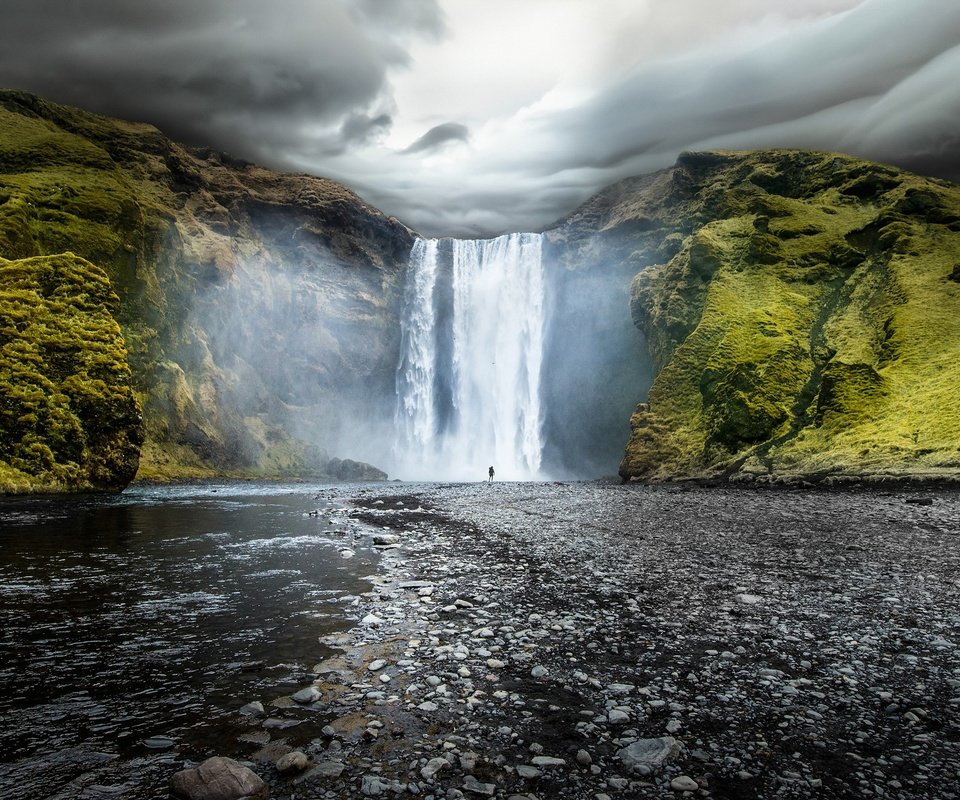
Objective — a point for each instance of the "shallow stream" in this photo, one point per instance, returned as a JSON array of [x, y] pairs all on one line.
[[143, 621]]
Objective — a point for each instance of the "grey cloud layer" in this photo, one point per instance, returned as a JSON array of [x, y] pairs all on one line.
[[254, 78], [305, 84]]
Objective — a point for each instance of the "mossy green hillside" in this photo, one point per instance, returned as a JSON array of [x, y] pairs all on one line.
[[68, 415], [182, 234], [807, 324]]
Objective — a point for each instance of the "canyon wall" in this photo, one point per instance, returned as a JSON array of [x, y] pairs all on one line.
[[258, 310]]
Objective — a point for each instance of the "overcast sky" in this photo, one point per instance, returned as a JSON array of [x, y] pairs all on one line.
[[470, 117]]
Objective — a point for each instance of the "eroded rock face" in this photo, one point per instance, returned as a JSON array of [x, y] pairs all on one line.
[[258, 308], [219, 778], [801, 312]]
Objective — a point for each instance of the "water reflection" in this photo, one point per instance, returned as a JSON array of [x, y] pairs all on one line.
[[159, 612]]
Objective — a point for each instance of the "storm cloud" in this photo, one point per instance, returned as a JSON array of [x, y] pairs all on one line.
[[438, 136], [552, 100]]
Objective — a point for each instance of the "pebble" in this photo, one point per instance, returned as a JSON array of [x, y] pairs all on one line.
[[433, 766], [682, 783], [294, 761], [306, 696], [547, 761]]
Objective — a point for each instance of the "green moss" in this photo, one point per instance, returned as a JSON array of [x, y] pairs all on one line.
[[68, 416], [810, 328]]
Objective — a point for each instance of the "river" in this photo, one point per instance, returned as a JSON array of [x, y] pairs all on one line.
[[140, 622]]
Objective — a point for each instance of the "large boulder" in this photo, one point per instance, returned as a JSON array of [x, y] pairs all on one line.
[[219, 778]]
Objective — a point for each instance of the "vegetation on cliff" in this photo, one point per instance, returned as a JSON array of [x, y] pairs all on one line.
[[68, 416], [803, 315], [206, 252]]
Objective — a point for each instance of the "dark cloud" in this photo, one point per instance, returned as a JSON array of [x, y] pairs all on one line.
[[817, 87], [305, 84], [361, 127], [439, 135], [242, 75]]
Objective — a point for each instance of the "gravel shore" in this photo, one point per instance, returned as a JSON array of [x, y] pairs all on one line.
[[595, 640]]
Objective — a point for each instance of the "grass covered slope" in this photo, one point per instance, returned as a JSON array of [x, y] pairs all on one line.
[[803, 314], [68, 416], [209, 255]]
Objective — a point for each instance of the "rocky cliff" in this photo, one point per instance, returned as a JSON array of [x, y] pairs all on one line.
[[257, 309], [800, 316], [802, 313]]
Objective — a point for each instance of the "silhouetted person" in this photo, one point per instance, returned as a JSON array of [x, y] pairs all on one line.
[[490, 473]]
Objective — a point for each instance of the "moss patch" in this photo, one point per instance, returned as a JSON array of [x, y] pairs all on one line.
[[68, 415]]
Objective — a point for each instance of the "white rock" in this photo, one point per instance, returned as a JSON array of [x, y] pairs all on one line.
[[379, 663], [371, 620], [308, 695], [749, 599], [295, 761], [428, 705], [526, 771], [539, 671], [650, 754], [547, 761], [618, 717], [433, 766], [682, 783]]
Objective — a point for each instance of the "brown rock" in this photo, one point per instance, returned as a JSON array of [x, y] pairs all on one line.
[[219, 778]]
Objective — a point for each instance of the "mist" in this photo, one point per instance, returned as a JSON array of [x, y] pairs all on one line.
[[523, 362]]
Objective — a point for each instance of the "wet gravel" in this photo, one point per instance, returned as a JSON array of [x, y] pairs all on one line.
[[605, 641]]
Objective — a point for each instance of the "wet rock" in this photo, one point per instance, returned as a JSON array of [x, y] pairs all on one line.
[[472, 785], [295, 761], [432, 767], [372, 786], [218, 778], [306, 696], [254, 709], [527, 771], [683, 783], [649, 755], [547, 761]]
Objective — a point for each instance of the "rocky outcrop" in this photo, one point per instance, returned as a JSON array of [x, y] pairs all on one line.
[[68, 415], [257, 308], [802, 313]]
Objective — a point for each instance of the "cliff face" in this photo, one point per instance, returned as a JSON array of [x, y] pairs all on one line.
[[802, 311], [258, 309]]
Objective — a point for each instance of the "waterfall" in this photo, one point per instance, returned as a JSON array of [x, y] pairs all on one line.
[[468, 381]]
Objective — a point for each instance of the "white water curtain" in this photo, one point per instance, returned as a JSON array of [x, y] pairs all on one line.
[[488, 376]]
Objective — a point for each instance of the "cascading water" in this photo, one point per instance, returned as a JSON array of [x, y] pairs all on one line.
[[468, 382]]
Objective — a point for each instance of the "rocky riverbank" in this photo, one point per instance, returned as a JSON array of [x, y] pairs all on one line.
[[604, 641], [588, 640]]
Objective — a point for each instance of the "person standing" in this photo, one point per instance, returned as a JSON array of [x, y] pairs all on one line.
[[490, 474]]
